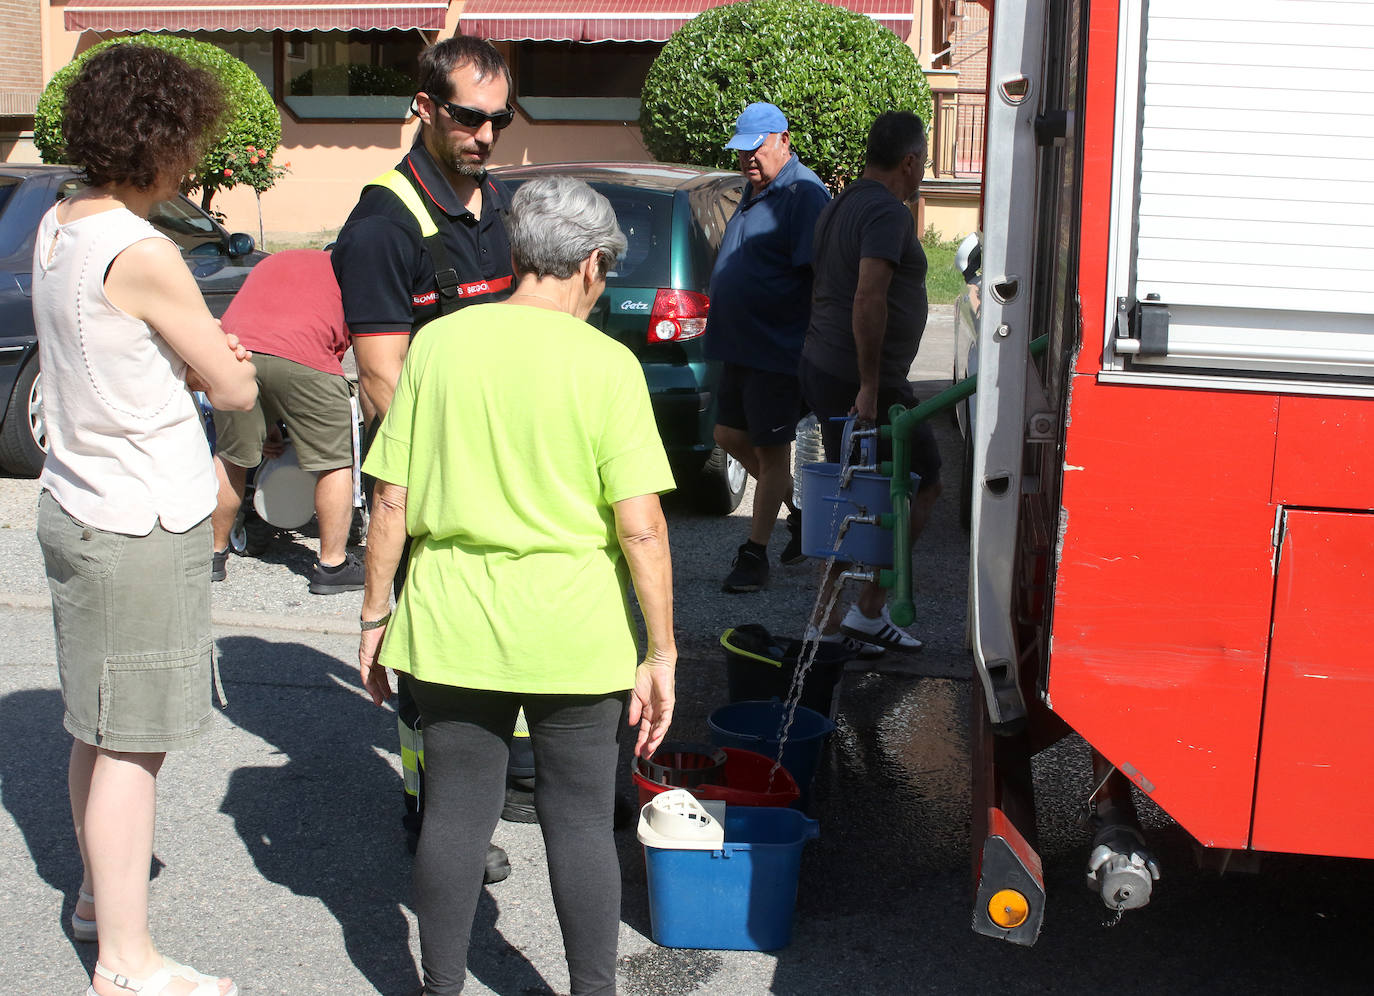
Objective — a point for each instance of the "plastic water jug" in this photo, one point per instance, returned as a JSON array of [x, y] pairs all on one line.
[[810, 448]]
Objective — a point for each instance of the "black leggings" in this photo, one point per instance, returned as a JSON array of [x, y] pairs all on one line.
[[575, 739]]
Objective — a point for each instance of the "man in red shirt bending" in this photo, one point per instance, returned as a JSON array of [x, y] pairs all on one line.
[[290, 314]]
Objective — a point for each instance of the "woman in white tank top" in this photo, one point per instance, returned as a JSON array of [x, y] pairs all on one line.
[[128, 485]]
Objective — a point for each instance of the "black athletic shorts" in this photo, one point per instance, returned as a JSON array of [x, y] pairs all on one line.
[[832, 398], [764, 404]]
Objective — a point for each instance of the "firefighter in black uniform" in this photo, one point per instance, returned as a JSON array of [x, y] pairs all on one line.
[[424, 240]]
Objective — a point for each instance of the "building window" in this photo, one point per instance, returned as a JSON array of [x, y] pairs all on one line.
[[349, 74], [252, 47], [582, 81]]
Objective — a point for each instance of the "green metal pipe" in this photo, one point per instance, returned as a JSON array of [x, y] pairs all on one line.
[[904, 422]]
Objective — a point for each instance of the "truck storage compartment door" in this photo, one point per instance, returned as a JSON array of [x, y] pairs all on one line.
[[1317, 736], [1245, 238]]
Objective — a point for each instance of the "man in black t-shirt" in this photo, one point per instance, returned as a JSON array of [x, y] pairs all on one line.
[[423, 241], [387, 270], [868, 311]]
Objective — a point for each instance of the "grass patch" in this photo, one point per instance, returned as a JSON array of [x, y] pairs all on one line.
[[944, 283], [278, 241]]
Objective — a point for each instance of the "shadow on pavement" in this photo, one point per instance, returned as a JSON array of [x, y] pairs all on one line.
[[33, 789], [326, 822]]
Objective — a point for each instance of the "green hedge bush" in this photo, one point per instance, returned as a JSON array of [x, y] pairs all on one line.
[[832, 72], [252, 131]]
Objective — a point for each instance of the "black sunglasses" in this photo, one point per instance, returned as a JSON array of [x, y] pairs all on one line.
[[470, 117]]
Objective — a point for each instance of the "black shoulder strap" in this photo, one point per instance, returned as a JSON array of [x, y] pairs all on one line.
[[445, 276], [431, 224]]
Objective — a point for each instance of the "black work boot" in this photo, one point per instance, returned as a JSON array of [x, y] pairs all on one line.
[[519, 806], [750, 570], [498, 865]]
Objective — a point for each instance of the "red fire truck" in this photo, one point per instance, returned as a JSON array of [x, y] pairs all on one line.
[[1173, 502]]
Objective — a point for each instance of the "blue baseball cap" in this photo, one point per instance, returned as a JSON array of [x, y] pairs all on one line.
[[754, 125]]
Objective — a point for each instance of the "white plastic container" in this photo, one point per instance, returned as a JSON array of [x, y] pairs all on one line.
[[676, 819], [285, 494]]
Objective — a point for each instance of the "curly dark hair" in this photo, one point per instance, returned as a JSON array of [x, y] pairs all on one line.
[[136, 112]]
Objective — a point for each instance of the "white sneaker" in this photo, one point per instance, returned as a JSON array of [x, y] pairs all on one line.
[[881, 631], [861, 649]]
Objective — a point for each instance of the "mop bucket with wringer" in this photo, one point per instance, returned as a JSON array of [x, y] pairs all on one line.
[[760, 666], [756, 726], [724, 887], [742, 778]]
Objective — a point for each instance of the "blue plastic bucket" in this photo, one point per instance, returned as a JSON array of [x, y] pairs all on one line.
[[738, 898], [825, 506], [755, 726]]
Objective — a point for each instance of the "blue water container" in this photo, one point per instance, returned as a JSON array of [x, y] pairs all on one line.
[[824, 508], [755, 726], [739, 897]]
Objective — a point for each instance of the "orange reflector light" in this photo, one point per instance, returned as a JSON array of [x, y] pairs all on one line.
[[1008, 909]]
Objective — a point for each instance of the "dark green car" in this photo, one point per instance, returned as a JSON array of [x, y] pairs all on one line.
[[655, 303]]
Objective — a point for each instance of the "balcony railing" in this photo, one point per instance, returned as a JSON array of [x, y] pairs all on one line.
[[957, 134]]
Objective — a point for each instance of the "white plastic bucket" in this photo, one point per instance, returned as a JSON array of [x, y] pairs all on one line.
[[285, 494]]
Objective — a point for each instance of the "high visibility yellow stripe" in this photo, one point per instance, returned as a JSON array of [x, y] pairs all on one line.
[[412, 756], [410, 771], [392, 180]]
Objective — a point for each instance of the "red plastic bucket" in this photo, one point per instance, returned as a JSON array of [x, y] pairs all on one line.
[[743, 781]]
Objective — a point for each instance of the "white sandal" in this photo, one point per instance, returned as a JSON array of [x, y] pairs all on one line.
[[82, 929], [206, 985]]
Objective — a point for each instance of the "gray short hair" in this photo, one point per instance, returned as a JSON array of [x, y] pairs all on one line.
[[556, 222], [894, 136]]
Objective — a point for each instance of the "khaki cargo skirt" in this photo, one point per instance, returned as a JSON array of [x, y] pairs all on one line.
[[132, 618]]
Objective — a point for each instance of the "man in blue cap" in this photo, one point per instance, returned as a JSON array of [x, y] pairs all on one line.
[[760, 306]]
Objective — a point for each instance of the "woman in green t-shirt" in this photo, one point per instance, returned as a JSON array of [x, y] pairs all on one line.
[[521, 461]]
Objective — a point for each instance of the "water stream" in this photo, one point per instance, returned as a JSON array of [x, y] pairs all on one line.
[[811, 637]]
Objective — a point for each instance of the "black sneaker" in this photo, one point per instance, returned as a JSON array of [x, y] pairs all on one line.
[[750, 571], [347, 576], [792, 552], [219, 564]]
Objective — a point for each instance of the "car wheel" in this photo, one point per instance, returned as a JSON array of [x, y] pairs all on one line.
[[357, 529], [720, 484], [238, 537], [24, 436]]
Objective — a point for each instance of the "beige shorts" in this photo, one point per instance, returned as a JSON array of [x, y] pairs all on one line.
[[132, 617], [314, 406]]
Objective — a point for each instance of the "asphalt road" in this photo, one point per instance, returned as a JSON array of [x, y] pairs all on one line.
[[280, 857]]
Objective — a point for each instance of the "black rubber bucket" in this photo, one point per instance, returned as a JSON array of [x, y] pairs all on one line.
[[759, 666]]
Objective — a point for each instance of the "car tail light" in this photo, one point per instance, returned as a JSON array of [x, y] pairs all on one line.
[[678, 315]]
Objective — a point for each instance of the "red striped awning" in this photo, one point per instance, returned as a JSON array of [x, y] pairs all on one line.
[[253, 15], [624, 20]]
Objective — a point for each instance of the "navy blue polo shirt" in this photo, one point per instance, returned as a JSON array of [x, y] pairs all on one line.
[[761, 284], [384, 270]]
